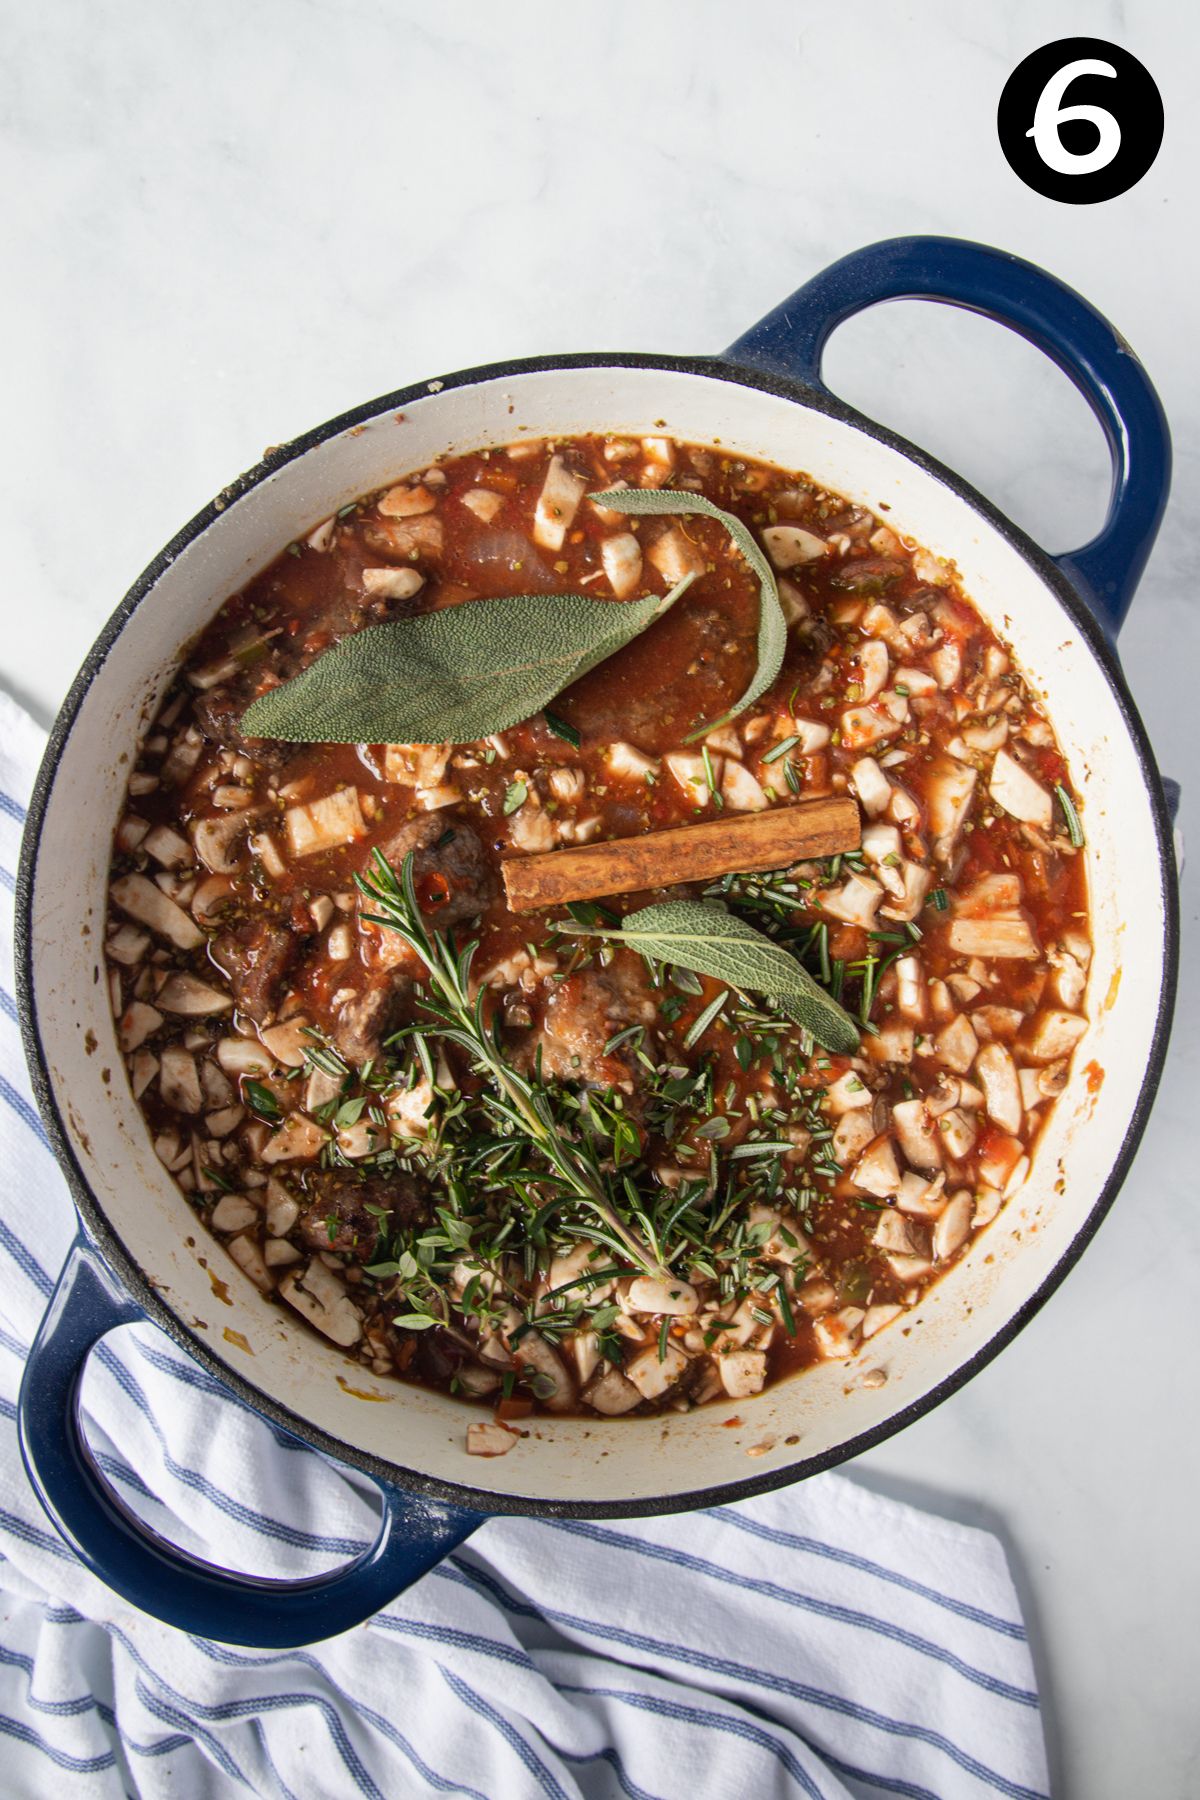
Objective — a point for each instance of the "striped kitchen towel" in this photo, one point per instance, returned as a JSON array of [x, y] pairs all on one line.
[[819, 1641]]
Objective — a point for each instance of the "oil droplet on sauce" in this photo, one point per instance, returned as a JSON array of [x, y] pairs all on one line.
[[359, 1393], [238, 1339]]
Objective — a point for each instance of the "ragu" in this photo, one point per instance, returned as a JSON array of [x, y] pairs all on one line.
[[783, 1202]]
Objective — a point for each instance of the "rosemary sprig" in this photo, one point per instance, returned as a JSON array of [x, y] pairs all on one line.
[[516, 1102]]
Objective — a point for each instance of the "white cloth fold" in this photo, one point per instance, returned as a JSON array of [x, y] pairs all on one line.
[[820, 1641]]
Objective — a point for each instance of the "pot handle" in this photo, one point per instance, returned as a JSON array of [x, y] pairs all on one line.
[[144, 1567], [790, 340]]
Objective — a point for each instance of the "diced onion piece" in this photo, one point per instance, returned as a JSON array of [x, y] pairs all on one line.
[[837, 1334], [997, 937], [127, 945], [849, 1093], [1019, 793], [742, 1372], [145, 901], [675, 556], [249, 1259], [787, 1243], [871, 785], [622, 560], [1052, 1034], [277, 1253], [244, 1056], [287, 1043], [282, 1209], [557, 505], [953, 1227], [405, 502], [652, 1376], [956, 1045], [949, 792], [876, 1317], [168, 847], [659, 455], [179, 1081], [856, 902], [136, 1024], [997, 1074], [692, 776], [862, 726], [917, 1134], [876, 1170], [922, 1198], [623, 759], [853, 1133], [790, 545], [739, 789], [875, 663], [233, 1213], [393, 584], [323, 824], [485, 503]]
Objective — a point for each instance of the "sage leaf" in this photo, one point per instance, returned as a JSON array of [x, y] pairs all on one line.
[[701, 935], [453, 676], [772, 625]]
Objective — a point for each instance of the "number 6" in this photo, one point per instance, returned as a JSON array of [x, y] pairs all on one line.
[[1051, 113]]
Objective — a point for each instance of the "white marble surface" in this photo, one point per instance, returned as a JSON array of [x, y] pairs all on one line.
[[224, 223]]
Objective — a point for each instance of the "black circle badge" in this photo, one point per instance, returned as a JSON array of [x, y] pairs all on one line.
[[1080, 120]]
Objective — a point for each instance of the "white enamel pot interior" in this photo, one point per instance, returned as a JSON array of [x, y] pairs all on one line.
[[184, 1280]]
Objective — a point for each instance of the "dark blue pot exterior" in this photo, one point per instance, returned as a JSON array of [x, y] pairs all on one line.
[[417, 1529]]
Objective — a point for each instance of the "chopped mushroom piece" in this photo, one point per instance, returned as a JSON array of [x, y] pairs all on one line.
[[144, 901], [622, 560], [321, 1297], [611, 1393], [675, 556]]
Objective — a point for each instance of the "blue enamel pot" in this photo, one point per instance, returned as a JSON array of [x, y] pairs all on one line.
[[140, 1253]]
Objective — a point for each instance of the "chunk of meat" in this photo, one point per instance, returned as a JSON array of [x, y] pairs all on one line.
[[366, 1020], [256, 957], [218, 714], [580, 1017], [451, 872], [349, 1217]]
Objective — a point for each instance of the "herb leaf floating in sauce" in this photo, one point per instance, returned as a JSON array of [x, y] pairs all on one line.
[[453, 676], [701, 935], [772, 625]]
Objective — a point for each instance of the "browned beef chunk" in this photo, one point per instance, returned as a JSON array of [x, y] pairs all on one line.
[[218, 714], [256, 957], [451, 872], [581, 1015], [371, 1016], [340, 1218]]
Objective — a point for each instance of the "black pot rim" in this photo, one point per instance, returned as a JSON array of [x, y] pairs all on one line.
[[112, 1246]]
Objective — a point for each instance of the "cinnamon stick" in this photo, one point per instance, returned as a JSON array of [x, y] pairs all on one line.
[[772, 839]]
